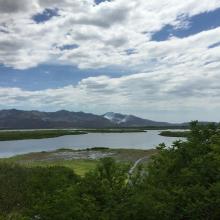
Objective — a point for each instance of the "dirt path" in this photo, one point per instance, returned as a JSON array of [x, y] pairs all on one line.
[[135, 164]]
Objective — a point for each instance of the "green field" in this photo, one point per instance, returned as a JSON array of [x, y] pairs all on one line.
[[80, 167]]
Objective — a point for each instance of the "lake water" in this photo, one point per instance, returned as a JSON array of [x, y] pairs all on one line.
[[139, 140]]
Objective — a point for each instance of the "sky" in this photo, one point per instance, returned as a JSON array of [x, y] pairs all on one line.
[[158, 59]]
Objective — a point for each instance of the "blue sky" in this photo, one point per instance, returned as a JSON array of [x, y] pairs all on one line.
[[159, 60], [46, 15], [50, 76], [194, 25], [100, 1]]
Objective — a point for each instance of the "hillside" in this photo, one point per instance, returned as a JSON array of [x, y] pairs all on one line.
[[17, 119]]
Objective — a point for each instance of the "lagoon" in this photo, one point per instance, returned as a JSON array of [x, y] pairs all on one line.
[[137, 140]]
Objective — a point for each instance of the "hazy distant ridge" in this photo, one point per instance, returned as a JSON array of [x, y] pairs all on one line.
[[17, 119]]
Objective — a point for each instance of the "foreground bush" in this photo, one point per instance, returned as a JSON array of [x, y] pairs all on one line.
[[183, 181]]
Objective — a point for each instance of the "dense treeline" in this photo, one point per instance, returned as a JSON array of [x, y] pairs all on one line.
[[181, 182]]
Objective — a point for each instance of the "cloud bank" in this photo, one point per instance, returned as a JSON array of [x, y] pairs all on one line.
[[178, 74]]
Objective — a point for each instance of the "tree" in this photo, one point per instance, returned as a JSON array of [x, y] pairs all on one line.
[[183, 181]]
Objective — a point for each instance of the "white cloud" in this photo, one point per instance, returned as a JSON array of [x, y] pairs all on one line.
[[103, 32], [177, 73], [147, 94], [21, 6]]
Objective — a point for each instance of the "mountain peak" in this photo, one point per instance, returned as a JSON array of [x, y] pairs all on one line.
[[115, 117], [131, 120], [17, 119]]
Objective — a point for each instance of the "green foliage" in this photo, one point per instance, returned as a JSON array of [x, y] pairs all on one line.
[[106, 189], [180, 183], [22, 188], [183, 181]]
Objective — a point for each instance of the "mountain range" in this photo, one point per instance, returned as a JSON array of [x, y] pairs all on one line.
[[19, 119]]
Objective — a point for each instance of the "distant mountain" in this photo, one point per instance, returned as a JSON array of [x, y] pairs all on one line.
[[17, 119], [131, 120]]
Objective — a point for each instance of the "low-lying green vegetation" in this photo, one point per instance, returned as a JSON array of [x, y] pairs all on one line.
[[114, 130], [80, 167], [180, 182], [175, 133], [80, 161], [36, 134], [40, 134]]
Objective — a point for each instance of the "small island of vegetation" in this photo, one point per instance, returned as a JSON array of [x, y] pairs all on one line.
[[184, 134]]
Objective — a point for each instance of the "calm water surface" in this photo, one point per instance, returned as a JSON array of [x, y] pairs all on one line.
[[140, 140]]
